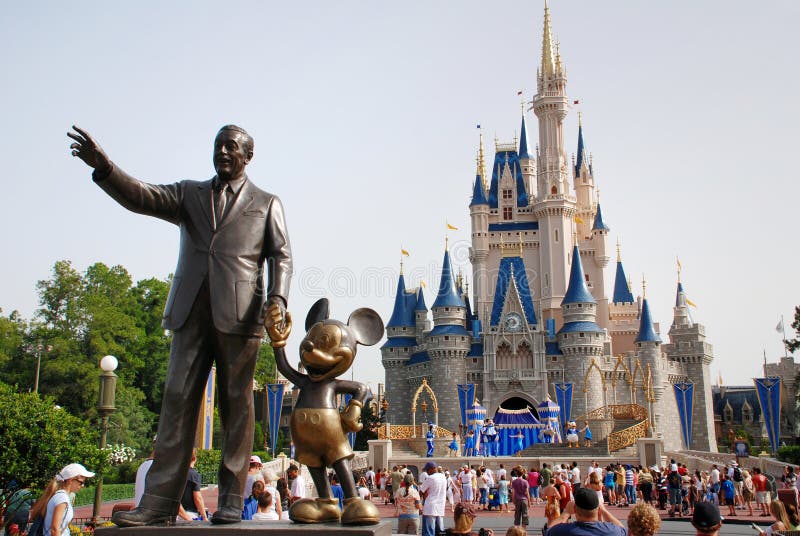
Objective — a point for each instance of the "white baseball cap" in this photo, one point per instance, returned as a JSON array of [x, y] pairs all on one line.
[[73, 470]]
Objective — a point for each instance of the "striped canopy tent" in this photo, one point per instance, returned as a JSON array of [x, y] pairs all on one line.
[[476, 415], [549, 414], [510, 423]]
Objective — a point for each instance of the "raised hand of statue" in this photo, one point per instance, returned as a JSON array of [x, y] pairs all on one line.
[[278, 324], [88, 150], [351, 416]]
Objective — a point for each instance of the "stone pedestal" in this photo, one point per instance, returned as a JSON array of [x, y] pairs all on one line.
[[651, 450], [250, 528], [380, 451]]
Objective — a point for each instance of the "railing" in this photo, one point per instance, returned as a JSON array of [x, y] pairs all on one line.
[[616, 411], [406, 431], [627, 436]]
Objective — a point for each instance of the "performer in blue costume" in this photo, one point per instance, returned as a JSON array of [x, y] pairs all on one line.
[[469, 443], [490, 438], [518, 446], [453, 447], [587, 434], [429, 438]]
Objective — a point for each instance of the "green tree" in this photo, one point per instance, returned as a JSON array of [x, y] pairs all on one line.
[[794, 344], [371, 422], [12, 334], [39, 438]]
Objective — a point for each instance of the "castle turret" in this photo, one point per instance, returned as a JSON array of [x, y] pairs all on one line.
[[623, 312], [421, 315], [448, 345], [688, 345], [555, 205], [581, 340], [648, 349], [526, 160], [401, 340], [584, 187], [479, 252]]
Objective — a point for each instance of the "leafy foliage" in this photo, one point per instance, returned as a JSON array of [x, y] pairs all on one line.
[[794, 344], [789, 454], [39, 438]]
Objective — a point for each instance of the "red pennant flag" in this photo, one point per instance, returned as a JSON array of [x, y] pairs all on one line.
[[576, 102], [519, 92]]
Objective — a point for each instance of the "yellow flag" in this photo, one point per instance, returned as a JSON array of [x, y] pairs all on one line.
[[578, 220], [452, 227], [423, 284], [404, 252], [690, 302]]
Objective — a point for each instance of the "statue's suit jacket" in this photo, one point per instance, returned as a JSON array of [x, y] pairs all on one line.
[[230, 253]]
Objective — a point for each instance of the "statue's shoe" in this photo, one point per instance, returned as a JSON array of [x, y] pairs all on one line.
[[357, 511], [315, 511], [227, 515], [140, 517]]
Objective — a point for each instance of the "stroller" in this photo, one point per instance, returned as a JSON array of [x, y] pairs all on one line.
[[494, 499]]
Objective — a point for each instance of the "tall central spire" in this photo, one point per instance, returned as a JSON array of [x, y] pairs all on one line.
[[548, 63]]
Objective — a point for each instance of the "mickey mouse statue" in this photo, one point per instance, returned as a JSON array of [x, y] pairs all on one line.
[[318, 427]]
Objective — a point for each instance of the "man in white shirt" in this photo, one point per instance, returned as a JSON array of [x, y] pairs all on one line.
[[434, 491], [298, 490], [370, 475], [576, 476], [465, 477], [500, 473], [489, 476], [714, 478]]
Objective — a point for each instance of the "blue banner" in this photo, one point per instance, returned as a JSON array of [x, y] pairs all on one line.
[[684, 398], [769, 396], [351, 436], [274, 403], [466, 395], [564, 401]]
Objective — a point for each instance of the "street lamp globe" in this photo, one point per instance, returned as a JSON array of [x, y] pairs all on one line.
[[109, 363]]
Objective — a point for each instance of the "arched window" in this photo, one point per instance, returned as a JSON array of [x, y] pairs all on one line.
[[504, 357], [554, 190], [525, 356]]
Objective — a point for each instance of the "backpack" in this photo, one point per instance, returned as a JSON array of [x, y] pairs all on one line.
[[37, 527], [737, 474]]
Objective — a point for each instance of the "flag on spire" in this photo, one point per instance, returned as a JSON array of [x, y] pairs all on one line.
[[779, 327], [404, 252], [451, 227]]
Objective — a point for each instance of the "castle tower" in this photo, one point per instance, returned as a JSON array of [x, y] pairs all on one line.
[[581, 340], [584, 186], [623, 312], [448, 344], [479, 252], [526, 160], [401, 341], [687, 344], [555, 205], [422, 324]]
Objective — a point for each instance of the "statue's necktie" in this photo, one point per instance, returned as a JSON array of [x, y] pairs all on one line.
[[221, 200]]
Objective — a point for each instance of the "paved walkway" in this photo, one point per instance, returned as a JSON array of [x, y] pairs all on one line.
[[493, 517]]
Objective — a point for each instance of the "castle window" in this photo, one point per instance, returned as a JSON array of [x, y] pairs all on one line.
[[581, 334], [747, 415], [728, 414], [554, 190], [586, 276], [556, 235], [507, 194], [507, 213], [474, 359], [447, 337]]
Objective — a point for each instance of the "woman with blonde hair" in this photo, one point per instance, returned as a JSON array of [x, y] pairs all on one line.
[[643, 520], [55, 505], [596, 485], [778, 511]]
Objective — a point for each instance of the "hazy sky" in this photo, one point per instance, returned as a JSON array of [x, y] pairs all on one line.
[[364, 116]]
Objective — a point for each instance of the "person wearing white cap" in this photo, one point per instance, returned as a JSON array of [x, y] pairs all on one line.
[[54, 505], [253, 474]]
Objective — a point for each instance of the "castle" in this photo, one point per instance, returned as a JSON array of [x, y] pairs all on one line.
[[540, 311]]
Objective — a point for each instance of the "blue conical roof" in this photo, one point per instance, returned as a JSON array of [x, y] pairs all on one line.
[[678, 295], [478, 193], [577, 291], [420, 301], [622, 293], [646, 331], [524, 150], [581, 152], [599, 224], [400, 314], [448, 297]]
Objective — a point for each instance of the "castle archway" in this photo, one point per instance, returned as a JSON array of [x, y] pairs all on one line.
[[517, 400]]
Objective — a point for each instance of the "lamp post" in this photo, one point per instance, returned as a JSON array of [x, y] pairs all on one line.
[[37, 351], [105, 407]]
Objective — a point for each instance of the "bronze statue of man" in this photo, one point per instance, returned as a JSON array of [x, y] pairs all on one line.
[[229, 229]]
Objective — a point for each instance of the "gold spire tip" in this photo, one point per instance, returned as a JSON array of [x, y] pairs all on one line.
[[619, 255]]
